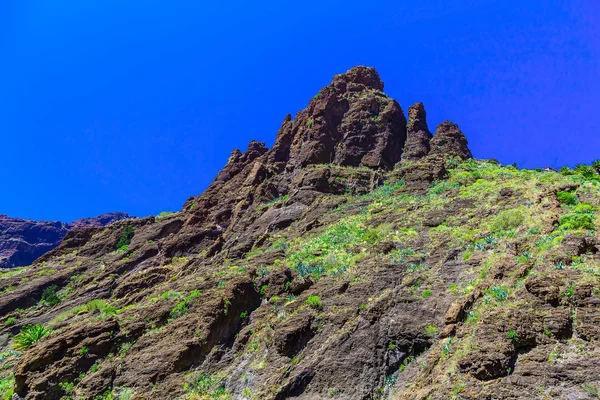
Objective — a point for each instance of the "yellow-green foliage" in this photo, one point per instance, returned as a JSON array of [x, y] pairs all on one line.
[[507, 220]]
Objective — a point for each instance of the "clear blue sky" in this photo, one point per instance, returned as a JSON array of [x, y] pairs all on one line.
[[112, 105]]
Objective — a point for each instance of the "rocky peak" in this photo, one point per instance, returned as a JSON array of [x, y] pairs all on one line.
[[418, 135], [350, 122], [357, 79], [449, 141]]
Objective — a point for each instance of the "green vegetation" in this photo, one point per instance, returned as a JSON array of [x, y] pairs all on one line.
[[314, 302], [507, 220], [93, 305], [499, 293], [163, 215], [49, 296], [206, 387], [29, 335], [431, 330], [576, 221], [66, 387], [567, 198], [6, 387], [125, 239], [182, 307]]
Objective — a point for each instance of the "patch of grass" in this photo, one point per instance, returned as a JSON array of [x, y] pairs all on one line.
[[507, 220], [499, 293], [576, 221], [431, 330], [7, 385], [426, 293], [207, 387], [50, 296], [314, 302], [125, 238], [567, 198], [93, 305], [28, 336], [164, 214], [10, 321]]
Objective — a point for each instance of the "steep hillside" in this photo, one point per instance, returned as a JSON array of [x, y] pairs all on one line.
[[23, 241], [361, 257]]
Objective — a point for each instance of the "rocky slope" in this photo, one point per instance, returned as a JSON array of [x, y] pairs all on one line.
[[360, 257], [23, 241]]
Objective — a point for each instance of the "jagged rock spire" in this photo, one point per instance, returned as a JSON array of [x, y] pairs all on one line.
[[349, 122], [418, 135], [449, 141], [238, 160]]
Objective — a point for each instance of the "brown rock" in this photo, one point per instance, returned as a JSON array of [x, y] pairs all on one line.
[[418, 135], [449, 141]]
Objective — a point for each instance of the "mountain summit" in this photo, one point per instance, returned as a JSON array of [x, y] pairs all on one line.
[[361, 257]]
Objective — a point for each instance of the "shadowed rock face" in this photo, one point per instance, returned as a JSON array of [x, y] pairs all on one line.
[[23, 241]]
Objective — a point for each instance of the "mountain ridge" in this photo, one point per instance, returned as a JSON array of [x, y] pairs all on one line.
[[22, 241], [360, 257]]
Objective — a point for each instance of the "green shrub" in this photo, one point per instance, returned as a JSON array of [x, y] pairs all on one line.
[[576, 221], [431, 330], [314, 302], [125, 238], [372, 236], [567, 198], [507, 220], [49, 295], [66, 387], [10, 321], [498, 292], [426, 293], [7, 387], [29, 335], [584, 208], [164, 214], [179, 310], [586, 171]]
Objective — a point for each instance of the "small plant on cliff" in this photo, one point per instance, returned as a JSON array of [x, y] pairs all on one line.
[[498, 292], [125, 238], [6, 387], [567, 198], [49, 295], [314, 302], [431, 330], [507, 220], [66, 387], [29, 335], [576, 221]]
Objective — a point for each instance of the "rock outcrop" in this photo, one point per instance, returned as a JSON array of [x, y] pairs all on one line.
[[418, 135], [449, 141], [23, 241]]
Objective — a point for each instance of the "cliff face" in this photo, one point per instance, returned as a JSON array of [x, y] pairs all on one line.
[[23, 241], [360, 257]]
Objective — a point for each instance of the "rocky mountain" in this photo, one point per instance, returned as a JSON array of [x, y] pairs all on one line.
[[23, 241], [360, 257]]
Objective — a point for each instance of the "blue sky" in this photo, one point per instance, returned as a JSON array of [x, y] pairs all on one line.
[[130, 106]]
